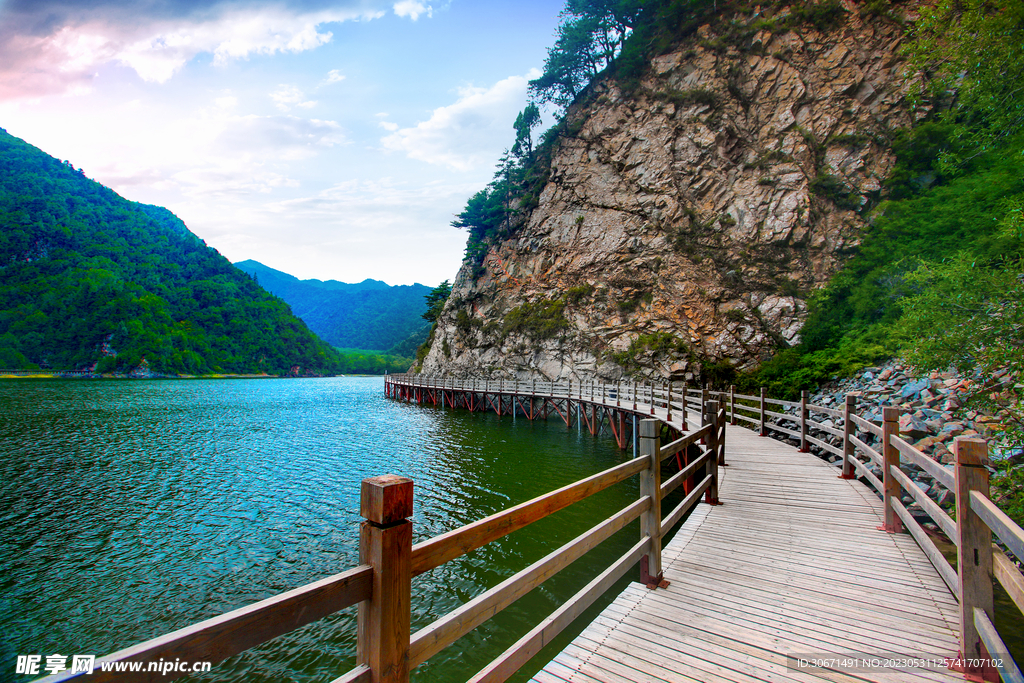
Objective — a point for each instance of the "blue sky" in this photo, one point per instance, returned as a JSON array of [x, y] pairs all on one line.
[[330, 139]]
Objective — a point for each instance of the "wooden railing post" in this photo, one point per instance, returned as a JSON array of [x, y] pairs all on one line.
[[804, 448], [685, 388], [890, 458], [848, 408], [650, 487], [711, 417], [764, 396], [634, 396], [974, 549], [720, 439], [732, 404], [385, 543], [668, 403]]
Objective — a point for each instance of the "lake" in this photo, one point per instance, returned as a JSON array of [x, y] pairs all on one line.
[[129, 509]]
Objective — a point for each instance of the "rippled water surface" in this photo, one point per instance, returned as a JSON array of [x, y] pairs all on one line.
[[129, 509]]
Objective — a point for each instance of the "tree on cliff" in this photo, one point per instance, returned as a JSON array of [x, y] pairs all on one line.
[[590, 37], [435, 301]]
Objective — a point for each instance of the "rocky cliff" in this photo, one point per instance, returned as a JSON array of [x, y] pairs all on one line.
[[688, 217]]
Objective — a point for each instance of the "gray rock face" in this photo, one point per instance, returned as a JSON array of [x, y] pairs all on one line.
[[701, 208]]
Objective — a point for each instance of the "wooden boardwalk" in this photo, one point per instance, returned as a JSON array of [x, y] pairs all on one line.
[[791, 565]]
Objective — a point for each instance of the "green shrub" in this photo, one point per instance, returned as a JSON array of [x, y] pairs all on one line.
[[835, 190], [540, 319]]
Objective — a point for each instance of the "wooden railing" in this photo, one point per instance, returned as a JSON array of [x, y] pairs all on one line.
[[381, 584], [979, 561]]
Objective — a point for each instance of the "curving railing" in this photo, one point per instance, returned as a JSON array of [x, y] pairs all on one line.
[[386, 650], [845, 435]]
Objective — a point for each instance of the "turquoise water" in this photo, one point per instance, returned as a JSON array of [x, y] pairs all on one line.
[[130, 509]]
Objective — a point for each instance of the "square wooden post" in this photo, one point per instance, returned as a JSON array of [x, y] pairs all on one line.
[[720, 438], [890, 459], [711, 417], [685, 389], [804, 447], [650, 487], [974, 552], [385, 543], [668, 402], [764, 392], [732, 404], [848, 408]]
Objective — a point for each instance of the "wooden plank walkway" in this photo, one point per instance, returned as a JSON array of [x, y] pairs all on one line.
[[790, 565]]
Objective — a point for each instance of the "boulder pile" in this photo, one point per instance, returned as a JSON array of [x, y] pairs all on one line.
[[931, 417]]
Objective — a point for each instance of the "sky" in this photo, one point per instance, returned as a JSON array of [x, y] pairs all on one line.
[[329, 139]]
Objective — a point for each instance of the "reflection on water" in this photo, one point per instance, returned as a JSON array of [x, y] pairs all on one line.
[[130, 509]]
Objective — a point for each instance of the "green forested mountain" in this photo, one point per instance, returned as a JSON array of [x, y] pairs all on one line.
[[88, 277], [366, 315]]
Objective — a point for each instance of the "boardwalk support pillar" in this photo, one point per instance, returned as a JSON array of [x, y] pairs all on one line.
[[650, 487], [385, 543], [890, 459], [974, 556]]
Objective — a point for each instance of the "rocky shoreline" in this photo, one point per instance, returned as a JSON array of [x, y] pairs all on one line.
[[932, 415]]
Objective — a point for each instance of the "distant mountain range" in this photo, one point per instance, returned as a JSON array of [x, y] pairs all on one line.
[[90, 280], [369, 315]]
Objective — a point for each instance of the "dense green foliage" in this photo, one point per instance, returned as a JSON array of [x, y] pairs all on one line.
[[436, 299], [974, 48], [366, 315], [85, 274], [368, 362]]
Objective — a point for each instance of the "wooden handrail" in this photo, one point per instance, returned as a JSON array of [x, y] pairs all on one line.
[[682, 475], [683, 442], [867, 450], [938, 515], [822, 409], [937, 471], [1005, 529], [456, 543], [433, 638], [867, 425], [220, 637], [529, 645]]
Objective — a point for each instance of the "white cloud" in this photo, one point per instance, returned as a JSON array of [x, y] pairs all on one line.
[[470, 133], [343, 223], [388, 125], [157, 49], [288, 96], [413, 9], [333, 76], [286, 138]]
